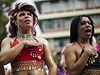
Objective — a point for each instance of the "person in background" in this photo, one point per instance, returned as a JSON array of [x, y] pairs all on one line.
[[58, 57], [81, 57], [60, 67], [98, 45], [63, 63], [26, 52]]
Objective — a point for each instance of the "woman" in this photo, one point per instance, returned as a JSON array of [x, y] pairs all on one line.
[[80, 56], [61, 69], [26, 52]]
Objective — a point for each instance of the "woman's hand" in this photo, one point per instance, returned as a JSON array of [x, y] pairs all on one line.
[[91, 51], [28, 43]]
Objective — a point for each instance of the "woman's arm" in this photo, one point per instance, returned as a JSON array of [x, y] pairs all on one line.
[[74, 65], [7, 53], [49, 59]]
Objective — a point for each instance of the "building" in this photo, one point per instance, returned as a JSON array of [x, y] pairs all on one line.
[[55, 17]]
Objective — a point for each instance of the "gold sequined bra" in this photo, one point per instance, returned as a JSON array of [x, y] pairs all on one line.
[[30, 58], [92, 66]]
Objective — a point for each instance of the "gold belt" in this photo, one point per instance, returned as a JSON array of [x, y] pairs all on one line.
[[30, 68], [91, 72], [27, 65]]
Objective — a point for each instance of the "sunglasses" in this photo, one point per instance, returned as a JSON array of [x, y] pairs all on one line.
[[84, 22]]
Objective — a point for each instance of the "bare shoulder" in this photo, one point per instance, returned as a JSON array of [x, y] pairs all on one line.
[[6, 41], [69, 47]]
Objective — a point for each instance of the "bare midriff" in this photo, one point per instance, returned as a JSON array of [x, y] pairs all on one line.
[[28, 60]]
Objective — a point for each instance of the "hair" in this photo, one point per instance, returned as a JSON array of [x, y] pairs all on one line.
[[58, 53], [74, 28], [12, 28]]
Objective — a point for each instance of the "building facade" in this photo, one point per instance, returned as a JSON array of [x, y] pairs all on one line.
[[55, 17]]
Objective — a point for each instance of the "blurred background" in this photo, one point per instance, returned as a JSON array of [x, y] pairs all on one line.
[[55, 17]]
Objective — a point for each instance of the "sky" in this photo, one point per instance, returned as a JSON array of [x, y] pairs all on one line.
[[30, 2]]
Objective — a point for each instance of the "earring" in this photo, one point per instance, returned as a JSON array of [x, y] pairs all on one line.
[[13, 21]]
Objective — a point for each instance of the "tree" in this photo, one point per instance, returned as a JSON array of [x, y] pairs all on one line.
[[5, 5]]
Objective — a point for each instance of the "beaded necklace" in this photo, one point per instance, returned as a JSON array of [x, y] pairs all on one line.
[[22, 37]]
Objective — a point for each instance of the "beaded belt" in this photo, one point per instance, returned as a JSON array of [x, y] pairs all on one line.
[[27, 65], [91, 72]]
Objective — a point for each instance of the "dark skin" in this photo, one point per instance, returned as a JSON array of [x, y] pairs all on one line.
[[75, 63]]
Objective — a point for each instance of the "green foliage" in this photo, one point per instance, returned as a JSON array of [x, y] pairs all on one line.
[[5, 6]]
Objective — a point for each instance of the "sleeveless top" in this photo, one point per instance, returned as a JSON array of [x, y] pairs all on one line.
[[93, 65], [30, 58]]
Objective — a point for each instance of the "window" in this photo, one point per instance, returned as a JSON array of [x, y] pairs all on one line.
[[47, 25], [97, 2]]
